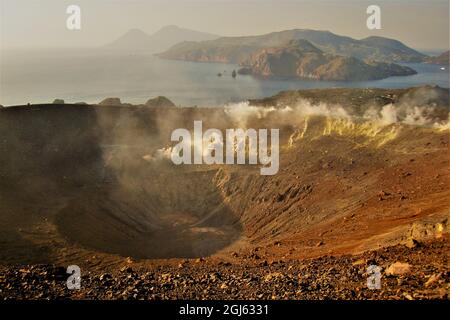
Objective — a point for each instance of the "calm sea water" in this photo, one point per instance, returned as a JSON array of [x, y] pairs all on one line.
[[84, 75]]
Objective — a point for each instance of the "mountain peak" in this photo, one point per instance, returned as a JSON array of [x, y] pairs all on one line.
[[170, 27], [302, 44], [379, 39], [135, 32], [136, 40], [132, 38], [169, 30]]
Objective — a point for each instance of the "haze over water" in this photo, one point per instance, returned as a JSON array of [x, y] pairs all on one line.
[[40, 76]]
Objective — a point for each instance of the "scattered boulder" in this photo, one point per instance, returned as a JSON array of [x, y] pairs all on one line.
[[224, 286], [254, 256], [398, 268], [272, 276], [428, 229], [110, 102], [182, 264], [126, 269], [265, 263], [408, 296], [411, 243], [105, 277], [245, 71], [432, 280], [199, 260], [159, 102], [58, 101], [359, 262], [129, 260]]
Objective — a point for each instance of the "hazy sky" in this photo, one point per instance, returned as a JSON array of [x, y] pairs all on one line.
[[422, 24]]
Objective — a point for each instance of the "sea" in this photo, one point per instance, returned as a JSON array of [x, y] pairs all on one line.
[[87, 75]]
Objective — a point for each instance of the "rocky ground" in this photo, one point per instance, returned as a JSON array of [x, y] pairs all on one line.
[[82, 185], [415, 272]]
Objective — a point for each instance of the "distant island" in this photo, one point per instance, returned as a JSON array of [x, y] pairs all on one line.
[[301, 59], [442, 59], [237, 49], [301, 53]]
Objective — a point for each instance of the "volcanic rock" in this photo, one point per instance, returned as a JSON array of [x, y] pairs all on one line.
[[160, 102], [398, 268], [110, 102]]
